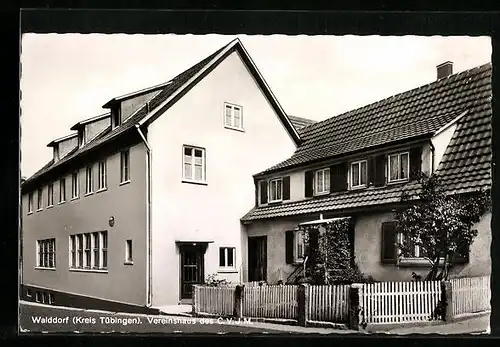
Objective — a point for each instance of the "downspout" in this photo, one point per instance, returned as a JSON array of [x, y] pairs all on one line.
[[433, 150], [148, 219]]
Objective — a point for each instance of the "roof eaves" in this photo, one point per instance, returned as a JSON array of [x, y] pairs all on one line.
[[90, 120], [53, 142]]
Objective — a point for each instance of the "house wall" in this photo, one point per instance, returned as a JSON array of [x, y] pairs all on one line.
[[441, 141], [368, 243], [67, 145], [129, 106], [211, 212], [297, 176], [94, 128], [126, 203]]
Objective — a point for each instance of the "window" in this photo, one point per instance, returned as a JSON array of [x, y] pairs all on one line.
[[399, 166], [358, 174], [415, 250], [227, 257], [101, 175], [124, 166], [276, 190], [89, 187], [75, 185], [50, 195], [62, 190], [39, 199], [128, 251], [30, 202], [46, 253], [299, 246], [51, 299], [194, 164], [88, 251], [38, 297], [322, 181], [233, 116], [116, 117]]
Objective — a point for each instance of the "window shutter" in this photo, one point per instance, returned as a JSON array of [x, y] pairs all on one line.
[[309, 180], [256, 192], [389, 243], [338, 177], [379, 170], [286, 188], [370, 171], [415, 162], [289, 246], [263, 192]]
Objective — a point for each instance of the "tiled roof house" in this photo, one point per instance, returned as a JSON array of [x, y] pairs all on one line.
[[441, 128]]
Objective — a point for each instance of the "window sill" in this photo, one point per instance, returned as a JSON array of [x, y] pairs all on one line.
[[39, 210], [50, 206], [234, 128], [124, 183], [45, 268], [75, 198], [358, 187], [274, 202], [88, 194], [398, 181], [227, 271], [30, 213], [322, 193], [61, 202], [129, 262], [101, 190], [201, 183], [89, 270], [409, 262]]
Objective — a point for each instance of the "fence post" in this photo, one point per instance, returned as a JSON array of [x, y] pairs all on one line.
[[195, 290], [238, 297], [303, 304], [356, 306], [447, 301]]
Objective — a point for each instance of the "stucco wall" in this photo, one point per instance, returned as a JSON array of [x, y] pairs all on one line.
[[67, 145], [441, 141], [122, 283], [368, 242], [212, 212], [129, 106], [94, 128]]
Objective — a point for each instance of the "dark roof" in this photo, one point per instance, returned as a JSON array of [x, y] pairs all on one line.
[[466, 163], [418, 112], [300, 123]]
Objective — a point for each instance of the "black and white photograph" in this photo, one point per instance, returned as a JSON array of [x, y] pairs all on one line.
[[255, 184]]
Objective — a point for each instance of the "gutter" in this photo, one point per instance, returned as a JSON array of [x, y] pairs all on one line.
[[149, 294]]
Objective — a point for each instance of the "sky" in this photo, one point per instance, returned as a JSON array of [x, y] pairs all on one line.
[[66, 78]]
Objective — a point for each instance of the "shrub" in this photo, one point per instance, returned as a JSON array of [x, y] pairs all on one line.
[[213, 280]]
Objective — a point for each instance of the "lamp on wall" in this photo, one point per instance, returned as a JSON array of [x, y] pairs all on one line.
[[111, 221]]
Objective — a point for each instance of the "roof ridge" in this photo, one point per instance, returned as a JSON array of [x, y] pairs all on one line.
[[355, 110]]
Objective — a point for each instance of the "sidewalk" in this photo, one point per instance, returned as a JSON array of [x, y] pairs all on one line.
[[476, 325]]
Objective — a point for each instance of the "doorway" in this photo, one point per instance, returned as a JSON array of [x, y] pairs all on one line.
[[257, 258], [192, 268]]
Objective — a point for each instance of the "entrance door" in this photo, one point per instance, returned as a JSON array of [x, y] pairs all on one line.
[[257, 258], [192, 269]]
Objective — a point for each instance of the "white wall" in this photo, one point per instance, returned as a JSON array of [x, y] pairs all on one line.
[[182, 211], [440, 142]]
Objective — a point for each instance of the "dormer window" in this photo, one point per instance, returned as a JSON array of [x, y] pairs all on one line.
[[358, 174], [117, 120], [399, 166], [81, 137]]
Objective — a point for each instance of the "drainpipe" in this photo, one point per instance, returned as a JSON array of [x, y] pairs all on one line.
[[148, 220], [433, 150]]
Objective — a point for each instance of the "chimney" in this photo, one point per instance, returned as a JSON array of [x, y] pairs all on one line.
[[444, 70]]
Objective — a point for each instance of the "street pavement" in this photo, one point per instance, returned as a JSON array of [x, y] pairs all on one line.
[[36, 318], [478, 325]]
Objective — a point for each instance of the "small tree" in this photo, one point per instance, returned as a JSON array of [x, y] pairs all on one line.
[[440, 224]]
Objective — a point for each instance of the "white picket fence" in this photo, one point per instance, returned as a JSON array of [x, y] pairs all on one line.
[[400, 302], [214, 300], [328, 303], [270, 302], [470, 295]]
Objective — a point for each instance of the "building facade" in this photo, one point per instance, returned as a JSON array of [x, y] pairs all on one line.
[[357, 164], [144, 201]]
